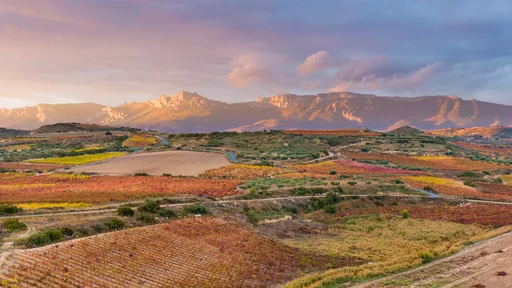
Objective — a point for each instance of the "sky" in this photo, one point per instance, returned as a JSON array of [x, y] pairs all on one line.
[[116, 51]]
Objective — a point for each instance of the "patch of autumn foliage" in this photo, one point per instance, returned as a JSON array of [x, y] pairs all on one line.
[[241, 171], [29, 166], [485, 214], [101, 189], [487, 149], [139, 141], [431, 162], [341, 132], [453, 187], [194, 252], [348, 167]]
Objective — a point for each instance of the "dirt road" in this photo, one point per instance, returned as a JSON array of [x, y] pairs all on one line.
[[486, 264]]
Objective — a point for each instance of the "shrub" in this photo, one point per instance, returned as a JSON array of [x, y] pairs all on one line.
[[125, 211], [167, 213], [53, 234], [469, 174], [405, 214], [333, 142], [426, 257], [330, 209], [141, 174], [38, 239], [301, 191], [289, 209], [99, 228], [9, 209], [14, 224], [365, 149], [196, 209], [146, 218], [352, 183], [114, 224], [149, 207], [66, 231], [167, 175], [332, 172]]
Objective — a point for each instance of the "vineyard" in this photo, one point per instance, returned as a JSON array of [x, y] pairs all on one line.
[[431, 162], [341, 132], [20, 147], [103, 189], [294, 208], [139, 141], [452, 187], [241, 171], [29, 166], [63, 205], [488, 149], [390, 244], [348, 167], [485, 214], [205, 252], [507, 179], [78, 160]]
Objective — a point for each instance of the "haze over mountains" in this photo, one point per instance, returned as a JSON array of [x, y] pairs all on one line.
[[190, 112]]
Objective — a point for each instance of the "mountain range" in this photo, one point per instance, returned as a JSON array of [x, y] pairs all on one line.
[[190, 112]]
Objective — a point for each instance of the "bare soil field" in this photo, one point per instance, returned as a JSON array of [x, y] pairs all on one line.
[[183, 163], [487, 264]]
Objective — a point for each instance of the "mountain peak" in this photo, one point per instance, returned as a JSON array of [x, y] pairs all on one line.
[[184, 96], [188, 111]]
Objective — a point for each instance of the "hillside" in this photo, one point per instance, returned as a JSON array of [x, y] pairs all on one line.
[[191, 112], [486, 132], [78, 127], [406, 130], [4, 132]]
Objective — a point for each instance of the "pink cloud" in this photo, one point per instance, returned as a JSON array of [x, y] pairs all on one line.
[[379, 73], [416, 78], [314, 62], [256, 69]]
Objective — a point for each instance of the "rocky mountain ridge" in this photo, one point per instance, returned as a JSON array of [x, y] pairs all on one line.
[[191, 112]]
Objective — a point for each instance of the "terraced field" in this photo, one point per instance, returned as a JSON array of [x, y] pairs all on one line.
[[204, 252]]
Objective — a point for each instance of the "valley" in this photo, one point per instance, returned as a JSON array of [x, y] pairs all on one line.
[[308, 208]]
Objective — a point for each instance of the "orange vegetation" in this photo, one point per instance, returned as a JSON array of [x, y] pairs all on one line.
[[341, 132], [138, 141], [241, 171], [485, 214], [200, 252], [101, 189], [488, 149], [29, 166], [348, 167], [431, 162], [449, 186]]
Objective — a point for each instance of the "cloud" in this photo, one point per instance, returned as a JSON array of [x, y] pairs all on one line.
[[381, 73], [128, 50], [416, 79], [249, 69], [314, 62]]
